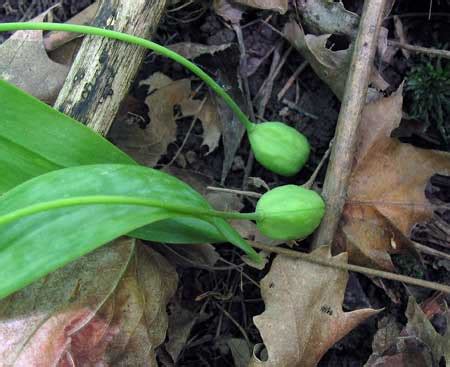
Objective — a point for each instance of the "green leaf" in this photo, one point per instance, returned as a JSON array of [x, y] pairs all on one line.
[[36, 242], [36, 139]]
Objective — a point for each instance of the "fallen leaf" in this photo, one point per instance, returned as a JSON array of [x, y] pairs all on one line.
[[107, 308], [240, 351], [419, 326], [436, 231], [388, 331], [330, 66], [304, 316], [208, 115], [229, 11], [385, 195], [192, 50], [417, 345], [55, 39], [280, 6], [149, 144], [181, 322], [25, 63], [323, 16]]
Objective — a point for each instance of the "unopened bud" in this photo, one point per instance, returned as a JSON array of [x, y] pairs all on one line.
[[279, 147], [289, 212]]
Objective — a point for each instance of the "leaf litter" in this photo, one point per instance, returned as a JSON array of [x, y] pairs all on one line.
[[390, 225]]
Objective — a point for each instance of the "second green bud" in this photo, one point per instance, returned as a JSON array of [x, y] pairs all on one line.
[[279, 147]]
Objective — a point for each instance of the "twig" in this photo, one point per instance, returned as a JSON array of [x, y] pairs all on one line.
[[357, 269], [194, 120], [430, 251], [423, 50], [342, 154], [308, 184], [417, 15], [251, 194], [294, 106], [292, 79]]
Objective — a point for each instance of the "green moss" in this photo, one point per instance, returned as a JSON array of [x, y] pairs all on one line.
[[428, 94]]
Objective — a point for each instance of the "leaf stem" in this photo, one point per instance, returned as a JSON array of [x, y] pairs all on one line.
[[161, 50], [121, 200]]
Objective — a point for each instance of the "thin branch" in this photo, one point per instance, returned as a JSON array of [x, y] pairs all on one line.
[[342, 155], [419, 49], [349, 267]]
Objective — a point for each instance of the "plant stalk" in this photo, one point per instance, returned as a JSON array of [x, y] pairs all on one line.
[[121, 200], [161, 50]]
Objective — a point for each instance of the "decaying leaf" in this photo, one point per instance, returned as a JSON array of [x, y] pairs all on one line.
[[330, 66], [193, 50], [324, 16], [386, 191], [417, 345], [208, 115], [181, 322], [149, 144], [303, 316], [419, 326], [25, 63], [280, 6], [240, 351], [107, 308], [228, 11]]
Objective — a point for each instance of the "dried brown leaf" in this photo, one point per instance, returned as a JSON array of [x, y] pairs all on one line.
[[330, 66], [229, 11], [419, 326], [323, 16], [303, 316], [25, 63], [386, 190], [149, 144], [107, 308], [208, 116], [417, 345]]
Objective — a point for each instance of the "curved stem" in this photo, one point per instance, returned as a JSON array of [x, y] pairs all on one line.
[[120, 200], [161, 50]]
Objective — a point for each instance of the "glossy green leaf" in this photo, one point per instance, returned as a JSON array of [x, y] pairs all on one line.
[[36, 139], [35, 244]]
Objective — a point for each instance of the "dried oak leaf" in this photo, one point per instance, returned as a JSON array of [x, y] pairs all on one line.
[[208, 115], [107, 308], [24, 62], [303, 316], [419, 326], [330, 66], [385, 195], [149, 144], [417, 345]]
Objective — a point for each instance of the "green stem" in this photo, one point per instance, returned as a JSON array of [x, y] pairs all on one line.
[[120, 200], [161, 50]]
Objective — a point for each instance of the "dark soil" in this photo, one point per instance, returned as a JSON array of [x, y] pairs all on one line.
[[239, 296]]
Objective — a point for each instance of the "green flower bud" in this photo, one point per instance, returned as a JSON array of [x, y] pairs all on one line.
[[279, 147], [289, 212]]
